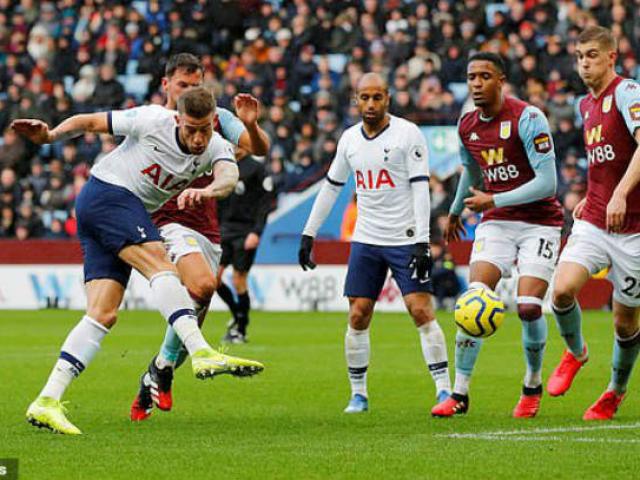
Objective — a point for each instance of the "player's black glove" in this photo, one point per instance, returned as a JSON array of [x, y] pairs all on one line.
[[304, 254], [421, 261]]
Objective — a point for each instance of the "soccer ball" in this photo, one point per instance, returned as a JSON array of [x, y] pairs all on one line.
[[479, 312]]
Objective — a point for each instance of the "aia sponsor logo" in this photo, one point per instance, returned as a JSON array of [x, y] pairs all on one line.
[[373, 180], [162, 179]]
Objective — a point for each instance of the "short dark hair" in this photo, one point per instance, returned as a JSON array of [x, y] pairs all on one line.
[[183, 61], [601, 35], [197, 102], [490, 57]]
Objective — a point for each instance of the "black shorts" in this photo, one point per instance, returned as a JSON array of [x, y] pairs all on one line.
[[233, 253]]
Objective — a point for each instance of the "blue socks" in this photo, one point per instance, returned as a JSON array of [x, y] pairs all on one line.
[[569, 322], [534, 340], [467, 350], [625, 353], [171, 346]]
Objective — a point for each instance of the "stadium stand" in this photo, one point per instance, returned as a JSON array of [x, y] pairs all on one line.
[[301, 58]]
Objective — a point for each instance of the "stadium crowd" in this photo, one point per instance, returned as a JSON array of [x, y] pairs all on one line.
[[300, 58]]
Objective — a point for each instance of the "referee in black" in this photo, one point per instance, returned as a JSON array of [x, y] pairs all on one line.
[[242, 215]]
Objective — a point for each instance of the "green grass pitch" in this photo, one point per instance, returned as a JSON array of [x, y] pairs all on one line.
[[288, 422]]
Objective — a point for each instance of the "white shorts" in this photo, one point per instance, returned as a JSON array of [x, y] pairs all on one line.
[[595, 249], [180, 241], [534, 248]]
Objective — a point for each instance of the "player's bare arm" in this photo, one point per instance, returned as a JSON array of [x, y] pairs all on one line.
[[617, 206], [253, 139], [39, 132], [226, 176]]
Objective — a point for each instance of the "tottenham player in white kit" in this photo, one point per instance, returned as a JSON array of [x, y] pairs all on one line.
[[164, 151], [389, 158]]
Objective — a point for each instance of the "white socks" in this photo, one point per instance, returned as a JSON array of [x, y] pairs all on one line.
[[434, 351], [176, 306], [79, 348], [357, 348]]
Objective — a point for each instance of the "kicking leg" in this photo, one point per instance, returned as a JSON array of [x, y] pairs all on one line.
[[175, 305]]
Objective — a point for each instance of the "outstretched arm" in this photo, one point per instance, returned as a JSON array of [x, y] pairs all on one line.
[[226, 176], [254, 139], [38, 131]]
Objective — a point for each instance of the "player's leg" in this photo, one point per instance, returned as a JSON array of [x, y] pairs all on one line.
[[155, 384], [538, 248], [105, 278], [242, 262], [432, 341], [200, 281], [417, 298], [366, 274], [482, 275], [531, 292], [584, 255], [79, 348], [238, 333], [624, 274], [626, 347], [224, 291], [357, 347], [175, 305]]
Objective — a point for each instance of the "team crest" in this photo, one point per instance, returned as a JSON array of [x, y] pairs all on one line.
[[478, 245], [634, 112], [606, 104], [505, 130], [190, 240], [542, 143]]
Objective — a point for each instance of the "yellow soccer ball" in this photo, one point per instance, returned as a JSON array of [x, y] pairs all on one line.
[[479, 312]]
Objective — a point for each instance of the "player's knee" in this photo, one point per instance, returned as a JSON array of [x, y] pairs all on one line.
[[625, 325], [421, 314], [359, 317], [239, 281], [105, 318], [202, 289], [529, 312], [563, 296]]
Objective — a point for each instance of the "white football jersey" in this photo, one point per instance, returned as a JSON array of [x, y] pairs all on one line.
[[150, 162], [384, 168]]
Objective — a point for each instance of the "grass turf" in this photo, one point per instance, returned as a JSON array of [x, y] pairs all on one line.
[[288, 422]]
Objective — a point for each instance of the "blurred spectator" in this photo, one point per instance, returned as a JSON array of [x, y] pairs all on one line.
[[12, 149], [109, 92], [302, 59]]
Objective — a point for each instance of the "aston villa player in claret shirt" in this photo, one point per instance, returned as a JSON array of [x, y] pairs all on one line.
[[506, 151], [606, 233]]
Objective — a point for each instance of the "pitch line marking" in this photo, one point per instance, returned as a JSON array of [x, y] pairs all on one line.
[[527, 434]]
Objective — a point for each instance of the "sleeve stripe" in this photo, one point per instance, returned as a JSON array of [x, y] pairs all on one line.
[[223, 160], [110, 122], [421, 178], [333, 182]]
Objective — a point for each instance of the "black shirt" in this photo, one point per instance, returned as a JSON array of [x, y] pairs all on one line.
[[245, 210]]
